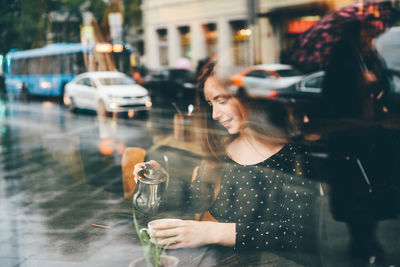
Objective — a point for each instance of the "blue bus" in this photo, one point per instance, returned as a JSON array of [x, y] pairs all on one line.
[[45, 71]]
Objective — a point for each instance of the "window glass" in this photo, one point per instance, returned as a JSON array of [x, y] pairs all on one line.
[[77, 63], [54, 64], [33, 66], [92, 83], [65, 64], [289, 73], [163, 46], [257, 74], [116, 81], [19, 67], [44, 65], [315, 82], [219, 93], [87, 82], [84, 81]]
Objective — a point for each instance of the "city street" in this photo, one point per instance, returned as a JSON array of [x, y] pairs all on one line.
[[57, 179], [270, 132], [61, 194]]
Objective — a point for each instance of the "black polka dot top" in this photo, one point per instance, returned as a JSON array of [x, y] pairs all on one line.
[[271, 202]]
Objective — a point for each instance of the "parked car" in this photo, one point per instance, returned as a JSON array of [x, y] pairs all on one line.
[[305, 95], [261, 80], [307, 90], [106, 92], [171, 85]]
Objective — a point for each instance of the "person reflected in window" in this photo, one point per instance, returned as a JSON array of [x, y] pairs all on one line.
[[356, 83], [355, 91], [253, 181]]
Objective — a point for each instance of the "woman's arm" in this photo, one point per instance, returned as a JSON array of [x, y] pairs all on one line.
[[190, 233], [288, 225]]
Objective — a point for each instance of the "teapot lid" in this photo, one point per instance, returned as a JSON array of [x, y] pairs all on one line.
[[152, 174]]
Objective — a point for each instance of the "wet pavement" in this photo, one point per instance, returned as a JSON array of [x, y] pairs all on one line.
[[60, 181], [55, 183]]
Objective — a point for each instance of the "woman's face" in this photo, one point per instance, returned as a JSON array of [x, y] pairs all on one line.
[[226, 109]]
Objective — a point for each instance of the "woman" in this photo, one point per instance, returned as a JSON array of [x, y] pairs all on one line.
[[252, 181], [356, 87]]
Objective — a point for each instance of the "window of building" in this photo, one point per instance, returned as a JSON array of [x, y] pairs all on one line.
[[240, 42], [184, 33], [163, 46], [210, 34]]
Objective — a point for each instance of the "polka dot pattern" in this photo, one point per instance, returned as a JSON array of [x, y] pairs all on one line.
[[271, 202]]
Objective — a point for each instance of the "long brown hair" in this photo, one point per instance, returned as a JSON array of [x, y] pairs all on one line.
[[264, 118]]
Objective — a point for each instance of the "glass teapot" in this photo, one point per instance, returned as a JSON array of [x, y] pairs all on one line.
[[152, 182]]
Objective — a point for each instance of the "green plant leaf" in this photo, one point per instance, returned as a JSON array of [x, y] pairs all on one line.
[[152, 251]]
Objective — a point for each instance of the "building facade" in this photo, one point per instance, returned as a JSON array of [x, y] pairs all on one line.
[[196, 29]]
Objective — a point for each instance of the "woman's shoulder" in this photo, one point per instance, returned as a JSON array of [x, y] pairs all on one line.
[[294, 149]]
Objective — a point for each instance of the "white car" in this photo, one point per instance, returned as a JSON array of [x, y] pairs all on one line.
[[106, 92]]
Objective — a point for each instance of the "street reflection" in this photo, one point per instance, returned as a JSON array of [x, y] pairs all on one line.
[[319, 78], [56, 183], [108, 144], [65, 149]]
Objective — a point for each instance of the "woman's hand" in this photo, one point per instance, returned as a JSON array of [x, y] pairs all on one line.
[[187, 233]]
